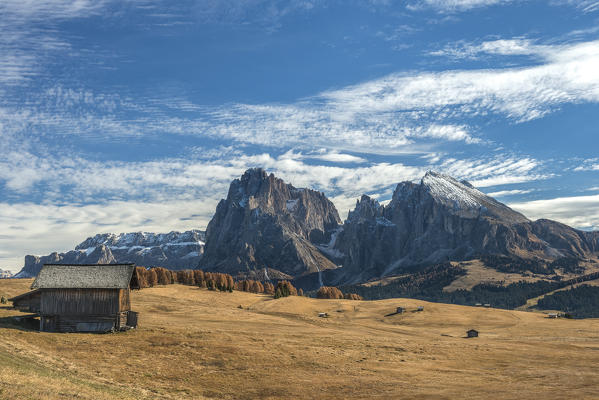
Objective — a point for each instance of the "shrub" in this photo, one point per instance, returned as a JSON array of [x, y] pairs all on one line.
[[163, 275], [353, 296], [329, 292], [284, 289], [142, 277], [152, 278], [269, 288], [198, 277]]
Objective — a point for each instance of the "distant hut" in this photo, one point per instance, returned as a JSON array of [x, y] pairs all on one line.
[[420, 308], [553, 315], [82, 297], [472, 333]]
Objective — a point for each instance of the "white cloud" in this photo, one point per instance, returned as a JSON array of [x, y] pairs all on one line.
[[336, 157], [503, 193], [581, 212], [500, 47]]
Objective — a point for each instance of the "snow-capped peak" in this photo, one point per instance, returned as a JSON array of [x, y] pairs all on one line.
[[445, 187]]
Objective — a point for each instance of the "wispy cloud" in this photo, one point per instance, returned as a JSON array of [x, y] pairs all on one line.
[[504, 193], [495, 171], [586, 6], [591, 164], [448, 6], [455, 5], [520, 94], [29, 34], [500, 47]]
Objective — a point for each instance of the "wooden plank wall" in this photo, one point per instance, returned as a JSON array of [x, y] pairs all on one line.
[[79, 323], [30, 303], [80, 301]]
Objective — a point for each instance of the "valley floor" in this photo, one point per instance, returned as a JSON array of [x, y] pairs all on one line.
[[194, 343]]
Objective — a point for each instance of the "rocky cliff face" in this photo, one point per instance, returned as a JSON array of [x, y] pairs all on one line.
[[173, 250], [442, 219], [267, 223]]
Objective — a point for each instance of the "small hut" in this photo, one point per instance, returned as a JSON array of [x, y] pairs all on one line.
[[472, 333], [82, 297]]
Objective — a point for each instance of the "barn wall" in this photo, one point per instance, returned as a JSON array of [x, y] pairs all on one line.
[[80, 301], [30, 303], [79, 323]]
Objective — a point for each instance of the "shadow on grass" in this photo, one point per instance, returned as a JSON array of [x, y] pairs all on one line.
[[21, 323]]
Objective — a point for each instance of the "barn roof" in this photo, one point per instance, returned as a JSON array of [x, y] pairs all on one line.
[[84, 276]]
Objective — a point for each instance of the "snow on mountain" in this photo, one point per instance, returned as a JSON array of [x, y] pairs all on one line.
[[447, 188], [5, 274]]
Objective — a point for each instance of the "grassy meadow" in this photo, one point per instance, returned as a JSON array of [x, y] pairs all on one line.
[[198, 344]]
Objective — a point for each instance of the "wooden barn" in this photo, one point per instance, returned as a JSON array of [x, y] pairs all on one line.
[[82, 298]]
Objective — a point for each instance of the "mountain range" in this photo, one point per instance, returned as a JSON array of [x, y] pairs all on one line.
[[269, 229], [174, 250]]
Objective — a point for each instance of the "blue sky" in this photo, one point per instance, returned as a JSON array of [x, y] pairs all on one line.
[[135, 115]]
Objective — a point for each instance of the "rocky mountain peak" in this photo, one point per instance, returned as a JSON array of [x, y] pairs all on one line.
[[457, 197], [440, 219], [366, 207], [267, 223]]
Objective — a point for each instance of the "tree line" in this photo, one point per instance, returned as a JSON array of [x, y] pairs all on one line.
[[581, 301], [331, 292], [212, 280], [226, 283], [162, 276]]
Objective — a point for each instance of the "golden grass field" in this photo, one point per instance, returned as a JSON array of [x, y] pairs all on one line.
[[194, 344]]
